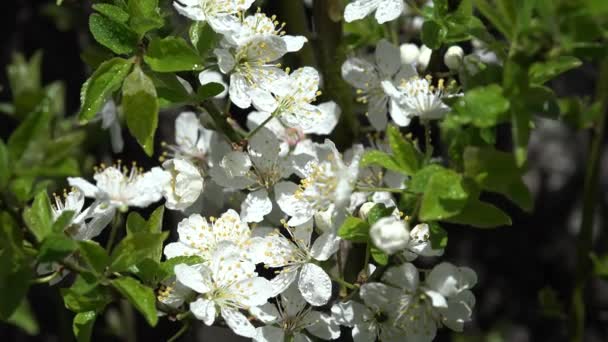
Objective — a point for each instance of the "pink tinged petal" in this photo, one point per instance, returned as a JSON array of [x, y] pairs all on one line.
[[359, 9], [239, 324], [325, 246], [204, 310], [255, 206], [197, 278], [314, 284], [360, 73], [238, 91], [322, 326], [404, 276], [88, 189], [388, 58], [389, 10], [269, 334], [282, 281]]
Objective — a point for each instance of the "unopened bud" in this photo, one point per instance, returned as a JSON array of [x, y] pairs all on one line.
[[409, 53], [424, 57], [453, 57], [390, 234]]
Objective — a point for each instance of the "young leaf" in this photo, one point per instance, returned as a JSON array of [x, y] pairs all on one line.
[[135, 248], [439, 237], [24, 318], [481, 215], [136, 223], [172, 54], [39, 217], [94, 255], [86, 294], [377, 212], [140, 106], [542, 72], [208, 90], [34, 128], [55, 247], [354, 229], [404, 151], [380, 158], [432, 34], [482, 107], [203, 37], [379, 256], [140, 296], [113, 12], [114, 35], [145, 16], [82, 326], [444, 196], [105, 80]]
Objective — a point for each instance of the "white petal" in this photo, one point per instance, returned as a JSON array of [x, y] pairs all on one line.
[[238, 91], [88, 189], [189, 11], [269, 334], [314, 284], [236, 163], [266, 313], [360, 73], [294, 43], [449, 280], [388, 58], [300, 211], [239, 324], [197, 278], [325, 246], [400, 115], [282, 281], [224, 60], [204, 310], [263, 100], [256, 206], [404, 276], [253, 291], [330, 115], [292, 301], [377, 111], [381, 297], [437, 300], [186, 130], [359, 9], [322, 325], [389, 10], [224, 23]]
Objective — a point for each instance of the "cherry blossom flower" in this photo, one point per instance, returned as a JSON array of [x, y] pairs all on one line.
[[185, 186], [219, 14], [260, 25], [386, 10]]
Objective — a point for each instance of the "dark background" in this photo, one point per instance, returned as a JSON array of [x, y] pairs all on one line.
[[513, 263]]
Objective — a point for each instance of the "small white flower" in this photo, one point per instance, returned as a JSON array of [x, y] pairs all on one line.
[[219, 14], [453, 57], [297, 257], [227, 284], [327, 181], [185, 186], [370, 80], [121, 189], [290, 317], [290, 99], [386, 10], [259, 24], [424, 58], [390, 234], [409, 53], [420, 243], [198, 237], [86, 223]]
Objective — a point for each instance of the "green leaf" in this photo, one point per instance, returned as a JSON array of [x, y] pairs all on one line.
[[94, 255], [172, 54], [550, 304], [5, 170], [105, 80], [140, 106], [483, 107], [541, 72], [170, 91], [600, 265], [82, 326], [203, 37], [115, 13], [405, 154], [25, 82], [142, 297], [31, 131], [137, 224], [145, 16], [419, 181], [380, 158], [208, 90], [24, 318], [481, 215], [63, 222], [377, 212], [439, 237], [379, 256], [39, 217], [114, 35], [354, 229], [498, 20], [168, 266], [56, 247], [432, 34], [444, 196], [135, 248], [497, 171], [86, 294]]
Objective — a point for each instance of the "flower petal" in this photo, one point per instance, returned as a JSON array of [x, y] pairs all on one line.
[[197, 277], [204, 310], [239, 324], [255, 206], [314, 284]]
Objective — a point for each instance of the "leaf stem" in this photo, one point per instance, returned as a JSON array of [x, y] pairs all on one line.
[[428, 144], [585, 237], [380, 189], [46, 279], [180, 332], [255, 130], [344, 283]]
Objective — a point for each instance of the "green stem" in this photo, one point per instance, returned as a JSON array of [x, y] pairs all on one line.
[[180, 332], [46, 279], [113, 233], [255, 130], [130, 333], [390, 31], [585, 238], [428, 144], [344, 283], [220, 120], [366, 261], [379, 189]]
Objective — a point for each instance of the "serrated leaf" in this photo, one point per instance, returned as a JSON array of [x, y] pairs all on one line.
[[140, 296], [56, 247], [481, 215], [86, 294], [482, 107], [172, 54], [105, 80], [135, 248], [354, 229], [432, 34], [94, 255], [497, 171], [405, 154], [420, 180], [39, 217], [140, 105], [380, 158], [203, 37], [113, 12], [145, 16], [114, 35], [82, 325], [542, 72], [444, 196], [379, 256]]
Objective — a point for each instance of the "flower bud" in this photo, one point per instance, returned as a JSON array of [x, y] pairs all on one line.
[[424, 57], [409, 53], [365, 209], [453, 57], [390, 234]]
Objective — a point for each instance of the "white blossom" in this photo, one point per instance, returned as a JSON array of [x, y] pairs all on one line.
[[219, 14], [386, 10], [453, 57], [227, 284], [185, 186], [260, 25], [390, 234], [85, 223], [371, 81], [290, 316]]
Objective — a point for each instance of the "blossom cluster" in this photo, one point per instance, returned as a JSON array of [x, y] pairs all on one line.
[[264, 217]]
